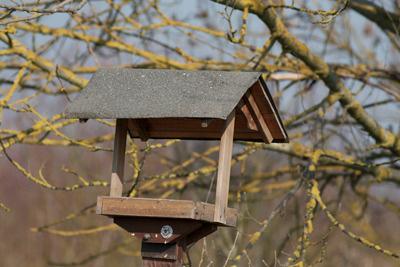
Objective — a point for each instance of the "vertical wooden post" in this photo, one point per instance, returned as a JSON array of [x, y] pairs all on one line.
[[224, 169], [117, 175]]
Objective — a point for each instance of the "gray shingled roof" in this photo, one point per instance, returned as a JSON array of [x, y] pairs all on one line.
[[149, 93]]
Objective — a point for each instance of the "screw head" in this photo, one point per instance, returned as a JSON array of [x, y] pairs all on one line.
[[146, 236], [166, 231]]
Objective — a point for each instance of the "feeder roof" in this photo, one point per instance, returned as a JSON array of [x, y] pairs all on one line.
[[116, 93], [154, 93]]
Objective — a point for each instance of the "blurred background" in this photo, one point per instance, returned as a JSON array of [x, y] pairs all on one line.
[[328, 198]]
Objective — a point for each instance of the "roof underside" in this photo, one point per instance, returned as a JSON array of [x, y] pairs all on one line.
[[143, 93]]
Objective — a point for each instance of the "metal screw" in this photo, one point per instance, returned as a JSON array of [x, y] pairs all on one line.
[[146, 236], [166, 231]]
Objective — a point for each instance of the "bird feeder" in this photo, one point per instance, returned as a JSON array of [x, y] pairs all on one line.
[[176, 104]]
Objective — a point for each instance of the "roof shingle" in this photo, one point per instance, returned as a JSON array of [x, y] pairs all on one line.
[[152, 93]]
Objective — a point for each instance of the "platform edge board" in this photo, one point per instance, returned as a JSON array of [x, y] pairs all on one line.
[[161, 208]]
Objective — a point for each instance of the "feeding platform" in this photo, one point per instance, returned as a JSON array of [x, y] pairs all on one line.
[[175, 104]]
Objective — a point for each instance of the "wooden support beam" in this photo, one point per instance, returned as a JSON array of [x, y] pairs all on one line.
[[117, 175], [140, 127], [251, 124], [258, 117], [263, 89], [224, 169]]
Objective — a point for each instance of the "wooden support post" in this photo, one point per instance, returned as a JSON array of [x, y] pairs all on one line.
[[224, 169], [117, 175]]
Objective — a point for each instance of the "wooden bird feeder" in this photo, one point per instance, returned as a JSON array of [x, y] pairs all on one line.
[[170, 104]]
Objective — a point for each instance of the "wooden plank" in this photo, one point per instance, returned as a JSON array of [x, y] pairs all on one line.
[[203, 231], [117, 175], [251, 124], [224, 169], [258, 117], [140, 127], [185, 124], [149, 229], [261, 98], [161, 255], [190, 128], [159, 251], [261, 93], [255, 137], [146, 207], [151, 262], [161, 208]]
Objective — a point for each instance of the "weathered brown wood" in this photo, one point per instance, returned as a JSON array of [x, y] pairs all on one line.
[[224, 170], [258, 117], [194, 135], [190, 124], [160, 255], [262, 99], [203, 231], [138, 127], [159, 251], [149, 229], [117, 175], [150, 262], [191, 128], [161, 208], [265, 102]]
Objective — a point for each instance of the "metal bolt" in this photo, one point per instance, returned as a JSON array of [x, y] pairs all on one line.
[[166, 231], [146, 236]]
